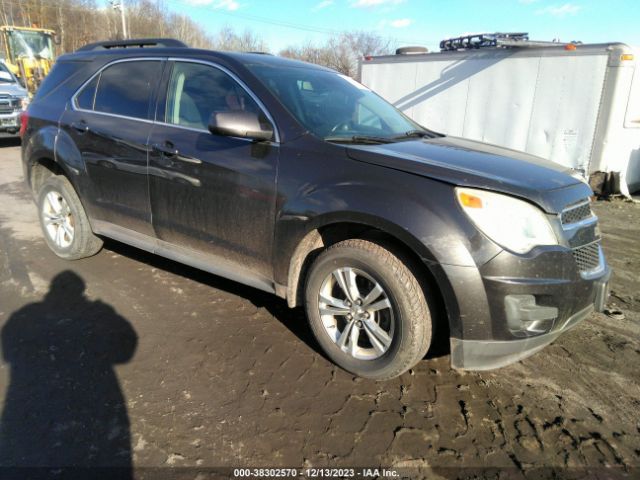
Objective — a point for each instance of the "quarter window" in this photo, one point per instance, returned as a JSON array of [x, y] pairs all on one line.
[[85, 97], [126, 88], [196, 91]]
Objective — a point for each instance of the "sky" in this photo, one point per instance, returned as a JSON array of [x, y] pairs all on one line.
[[418, 22]]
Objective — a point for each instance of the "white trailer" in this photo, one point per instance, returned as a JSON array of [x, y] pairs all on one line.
[[577, 105]]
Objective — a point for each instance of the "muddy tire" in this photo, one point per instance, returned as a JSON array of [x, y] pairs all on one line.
[[64, 222], [367, 309]]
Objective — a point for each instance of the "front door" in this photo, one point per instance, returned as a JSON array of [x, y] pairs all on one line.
[[110, 123], [210, 193]]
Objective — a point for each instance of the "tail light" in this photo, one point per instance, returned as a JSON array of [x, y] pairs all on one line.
[[24, 119]]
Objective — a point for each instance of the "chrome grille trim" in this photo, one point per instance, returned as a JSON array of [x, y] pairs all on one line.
[[576, 213], [589, 259]]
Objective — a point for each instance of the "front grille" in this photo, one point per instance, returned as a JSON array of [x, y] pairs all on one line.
[[587, 257], [6, 106], [576, 213]]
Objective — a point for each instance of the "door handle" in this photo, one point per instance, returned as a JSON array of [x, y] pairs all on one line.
[[167, 149], [81, 127]]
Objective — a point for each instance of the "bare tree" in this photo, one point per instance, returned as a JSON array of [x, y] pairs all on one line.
[[227, 39], [341, 52], [78, 22]]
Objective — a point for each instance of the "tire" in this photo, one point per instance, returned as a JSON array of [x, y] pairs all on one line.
[[398, 307], [64, 223]]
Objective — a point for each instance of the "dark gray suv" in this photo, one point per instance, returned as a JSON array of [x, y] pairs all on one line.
[[299, 181]]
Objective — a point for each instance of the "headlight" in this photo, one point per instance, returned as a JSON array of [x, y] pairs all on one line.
[[24, 103], [514, 224]]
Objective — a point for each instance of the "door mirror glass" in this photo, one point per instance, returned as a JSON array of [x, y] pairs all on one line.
[[240, 124]]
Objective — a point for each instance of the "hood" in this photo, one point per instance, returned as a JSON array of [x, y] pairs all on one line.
[[14, 89], [468, 163]]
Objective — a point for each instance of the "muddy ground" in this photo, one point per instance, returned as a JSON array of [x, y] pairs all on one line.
[[128, 359]]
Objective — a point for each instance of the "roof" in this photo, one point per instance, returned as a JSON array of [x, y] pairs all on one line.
[[612, 49], [28, 29], [173, 48]]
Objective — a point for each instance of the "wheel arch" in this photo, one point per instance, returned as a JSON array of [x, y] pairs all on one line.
[[49, 152], [333, 229]]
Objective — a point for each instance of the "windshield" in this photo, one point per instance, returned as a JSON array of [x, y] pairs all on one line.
[[31, 44], [333, 106], [5, 75]]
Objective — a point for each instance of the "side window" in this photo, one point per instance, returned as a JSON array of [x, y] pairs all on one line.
[[87, 95], [196, 91], [126, 88]]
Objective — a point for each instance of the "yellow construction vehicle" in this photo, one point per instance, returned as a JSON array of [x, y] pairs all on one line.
[[29, 53]]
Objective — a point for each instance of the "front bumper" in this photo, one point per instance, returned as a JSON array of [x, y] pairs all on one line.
[[490, 354], [516, 316], [10, 122]]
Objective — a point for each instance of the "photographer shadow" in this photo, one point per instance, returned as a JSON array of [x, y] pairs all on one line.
[[64, 407]]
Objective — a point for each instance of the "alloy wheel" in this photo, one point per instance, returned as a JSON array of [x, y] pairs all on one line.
[[356, 313], [58, 219]]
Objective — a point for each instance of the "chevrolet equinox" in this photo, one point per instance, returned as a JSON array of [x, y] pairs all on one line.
[[300, 181]]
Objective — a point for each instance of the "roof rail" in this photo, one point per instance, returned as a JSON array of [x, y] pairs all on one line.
[[498, 39], [133, 43]]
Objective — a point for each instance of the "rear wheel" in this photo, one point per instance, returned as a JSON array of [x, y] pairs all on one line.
[[367, 309], [64, 222]]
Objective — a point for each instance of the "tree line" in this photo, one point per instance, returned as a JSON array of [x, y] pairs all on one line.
[[78, 22]]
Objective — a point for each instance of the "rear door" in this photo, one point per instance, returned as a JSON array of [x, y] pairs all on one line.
[[211, 193], [110, 122]]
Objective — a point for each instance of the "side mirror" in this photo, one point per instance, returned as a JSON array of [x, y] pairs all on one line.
[[239, 124]]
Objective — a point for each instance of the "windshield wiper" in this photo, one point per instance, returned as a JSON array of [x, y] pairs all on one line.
[[418, 133], [365, 139]]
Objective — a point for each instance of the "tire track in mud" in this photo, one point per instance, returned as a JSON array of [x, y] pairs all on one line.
[[227, 375]]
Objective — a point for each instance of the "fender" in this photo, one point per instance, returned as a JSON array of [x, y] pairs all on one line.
[[53, 143], [68, 155], [438, 232], [40, 145]]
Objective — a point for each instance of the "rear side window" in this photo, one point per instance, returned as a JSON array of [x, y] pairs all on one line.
[[126, 88]]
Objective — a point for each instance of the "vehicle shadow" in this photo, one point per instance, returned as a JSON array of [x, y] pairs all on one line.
[[64, 409], [294, 319], [9, 142]]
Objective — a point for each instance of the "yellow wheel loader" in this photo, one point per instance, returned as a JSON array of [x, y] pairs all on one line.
[[29, 53]]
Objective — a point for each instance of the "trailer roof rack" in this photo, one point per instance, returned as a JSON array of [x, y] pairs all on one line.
[[498, 39], [133, 43]]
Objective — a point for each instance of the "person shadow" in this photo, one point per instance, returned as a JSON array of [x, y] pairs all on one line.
[[64, 410]]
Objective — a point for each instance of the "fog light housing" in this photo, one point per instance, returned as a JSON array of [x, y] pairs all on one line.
[[525, 318]]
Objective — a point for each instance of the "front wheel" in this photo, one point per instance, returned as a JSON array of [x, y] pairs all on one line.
[[367, 309]]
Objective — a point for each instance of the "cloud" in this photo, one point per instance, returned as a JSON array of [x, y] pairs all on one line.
[[560, 10], [198, 3], [321, 5], [230, 5], [374, 3], [401, 22]]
